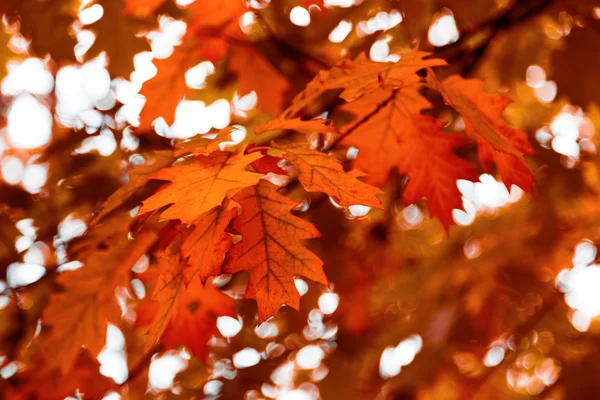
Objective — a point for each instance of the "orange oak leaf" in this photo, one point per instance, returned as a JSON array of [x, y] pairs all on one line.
[[177, 314], [213, 24], [314, 90], [269, 164], [200, 145], [512, 167], [141, 8], [349, 115], [255, 73], [206, 245], [205, 13], [471, 111], [296, 124], [398, 136], [270, 249], [85, 379], [215, 14], [167, 88], [78, 316], [319, 172], [156, 313], [138, 177], [195, 320], [363, 76], [202, 185]]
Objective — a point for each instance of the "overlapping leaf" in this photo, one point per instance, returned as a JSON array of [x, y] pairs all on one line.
[[177, 314], [398, 136], [85, 379], [363, 76], [471, 111], [199, 145], [206, 245], [255, 73], [168, 88], [483, 111], [138, 177], [270, 249], [296, 124], [141, 8], [198, 187], [78, 316], [319, 172], [212, 33]]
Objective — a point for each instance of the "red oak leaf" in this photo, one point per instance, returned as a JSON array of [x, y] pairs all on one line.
[[398, 136], [79, 315], [319, 172], [206, 245], [363, 76], [270, 249], [180, 315], [138, 177], [488, 114], [255, 73], [199, 145], [167, 88], [296, 124]]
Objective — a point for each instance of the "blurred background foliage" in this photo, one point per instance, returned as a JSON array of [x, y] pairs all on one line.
[[504, 306]]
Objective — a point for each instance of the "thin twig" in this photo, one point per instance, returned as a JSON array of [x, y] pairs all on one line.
[[463, 48]]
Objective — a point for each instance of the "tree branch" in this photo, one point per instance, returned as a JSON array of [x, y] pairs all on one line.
[[469, 50]]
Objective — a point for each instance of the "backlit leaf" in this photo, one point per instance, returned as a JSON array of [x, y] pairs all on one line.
[[398, 136], [202, 185], [78, 316], [270, 249], [319, 172]]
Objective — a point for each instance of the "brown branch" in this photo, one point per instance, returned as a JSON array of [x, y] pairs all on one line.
[[463, 49]]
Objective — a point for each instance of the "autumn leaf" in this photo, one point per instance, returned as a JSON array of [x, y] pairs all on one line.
[[296, 124], [205, 246], [255, 73], [269, 164], [202, 185], [141, 8], [205, 13], [85, 379], [398, 136], [363, 76], [486, 126], [311, 95], [138, 177], [384, 288], [350, 115], [489, 109], [215, 14], [155, 314], [177, 314], [78, 316], [199, 145], [195, 320], [270, 249], [319, 172], [167, 88]]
